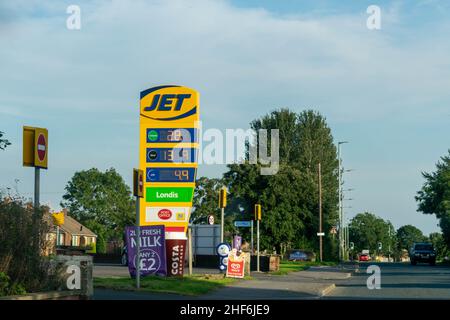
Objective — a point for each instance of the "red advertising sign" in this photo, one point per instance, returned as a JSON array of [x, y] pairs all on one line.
[[235, 265]]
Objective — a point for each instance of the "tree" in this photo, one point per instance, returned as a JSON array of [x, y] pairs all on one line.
[[205, 200], [290, 198], [366, 230], [439, 245], [407, 235], [3, 142], [434, 197], [101, 201]]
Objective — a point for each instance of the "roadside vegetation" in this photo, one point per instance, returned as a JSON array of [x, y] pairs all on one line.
[[291, 266], [188, 285], [23, 267]]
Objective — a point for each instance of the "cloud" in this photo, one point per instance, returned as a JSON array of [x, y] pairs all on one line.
[[244, 61], [241, 58]]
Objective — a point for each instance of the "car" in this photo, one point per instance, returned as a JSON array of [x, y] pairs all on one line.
[[422, 252], [364, 257]]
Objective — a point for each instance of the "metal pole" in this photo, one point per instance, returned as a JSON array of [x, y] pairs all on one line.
[[190, 250], [251, 237], [257, 245], [36, 187], [340, 200], [36, 207], [138, 247], [222, 215], [57, 236], [347, 244], [389, 254], [320, 213]]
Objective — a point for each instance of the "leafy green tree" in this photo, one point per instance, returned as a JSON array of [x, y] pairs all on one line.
[[290, 198], [407, 235], [366, 230], [439, 245], [434, 197], [3, 142], [205, 200], [100, 200]]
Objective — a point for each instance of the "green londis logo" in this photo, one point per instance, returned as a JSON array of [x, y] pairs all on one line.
[[169, 194], [152, 135]]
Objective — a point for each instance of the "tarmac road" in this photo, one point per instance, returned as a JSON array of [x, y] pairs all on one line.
[[398, 281]]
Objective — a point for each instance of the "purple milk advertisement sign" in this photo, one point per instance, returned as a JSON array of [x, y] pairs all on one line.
[[152, 251]]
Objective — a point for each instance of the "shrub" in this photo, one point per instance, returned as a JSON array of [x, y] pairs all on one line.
[[9, 289], [22, 238]]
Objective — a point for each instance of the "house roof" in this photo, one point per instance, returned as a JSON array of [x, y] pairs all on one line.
[[73, 227]]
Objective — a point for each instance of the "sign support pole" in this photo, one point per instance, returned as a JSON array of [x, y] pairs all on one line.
[[190, 249], [36, 187], [222, 216], [257, 245], [138, 247], [36, 206], [251, 237], [57, 237]]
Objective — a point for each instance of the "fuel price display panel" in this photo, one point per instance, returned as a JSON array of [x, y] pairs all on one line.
[[171, 174], [171, 135], [171, 155]]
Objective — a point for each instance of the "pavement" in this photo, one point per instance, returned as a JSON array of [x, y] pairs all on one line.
[[313, 283]]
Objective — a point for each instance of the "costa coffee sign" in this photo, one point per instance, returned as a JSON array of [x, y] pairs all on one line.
[[164, 214]]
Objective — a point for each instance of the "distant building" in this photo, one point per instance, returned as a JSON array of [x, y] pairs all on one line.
[[71, 234]]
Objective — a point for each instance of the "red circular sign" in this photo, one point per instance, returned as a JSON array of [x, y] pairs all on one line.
[[164, 214], [41, 147]]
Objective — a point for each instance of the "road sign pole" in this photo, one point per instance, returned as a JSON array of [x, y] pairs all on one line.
[[57, 236], [36, 187], [257, 245], [138, 246], [251, 237], [37, 174], [222, 215]]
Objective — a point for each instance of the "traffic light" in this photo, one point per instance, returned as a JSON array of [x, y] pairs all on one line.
[[380, 245], [257, 212], [138, 183], [223, 197]]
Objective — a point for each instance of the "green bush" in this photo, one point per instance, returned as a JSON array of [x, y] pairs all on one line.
[[23, 243], [9, 289]]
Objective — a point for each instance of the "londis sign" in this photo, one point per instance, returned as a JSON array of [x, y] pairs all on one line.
[[168, 151], [170, 104]]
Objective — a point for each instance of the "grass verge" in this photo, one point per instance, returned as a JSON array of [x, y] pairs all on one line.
[[291, 266], [187, 285]]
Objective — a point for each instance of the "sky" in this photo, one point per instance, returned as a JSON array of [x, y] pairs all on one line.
[[385, 91]]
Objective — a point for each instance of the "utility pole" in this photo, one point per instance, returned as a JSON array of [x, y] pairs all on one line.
[[389, 254], [320, 213], [342, 243]]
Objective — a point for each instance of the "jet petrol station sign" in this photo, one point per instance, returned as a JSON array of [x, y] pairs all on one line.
[[168, 152]]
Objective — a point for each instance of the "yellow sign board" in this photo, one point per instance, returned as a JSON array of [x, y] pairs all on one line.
[[168, 153], [58, 218], [35, 147]]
